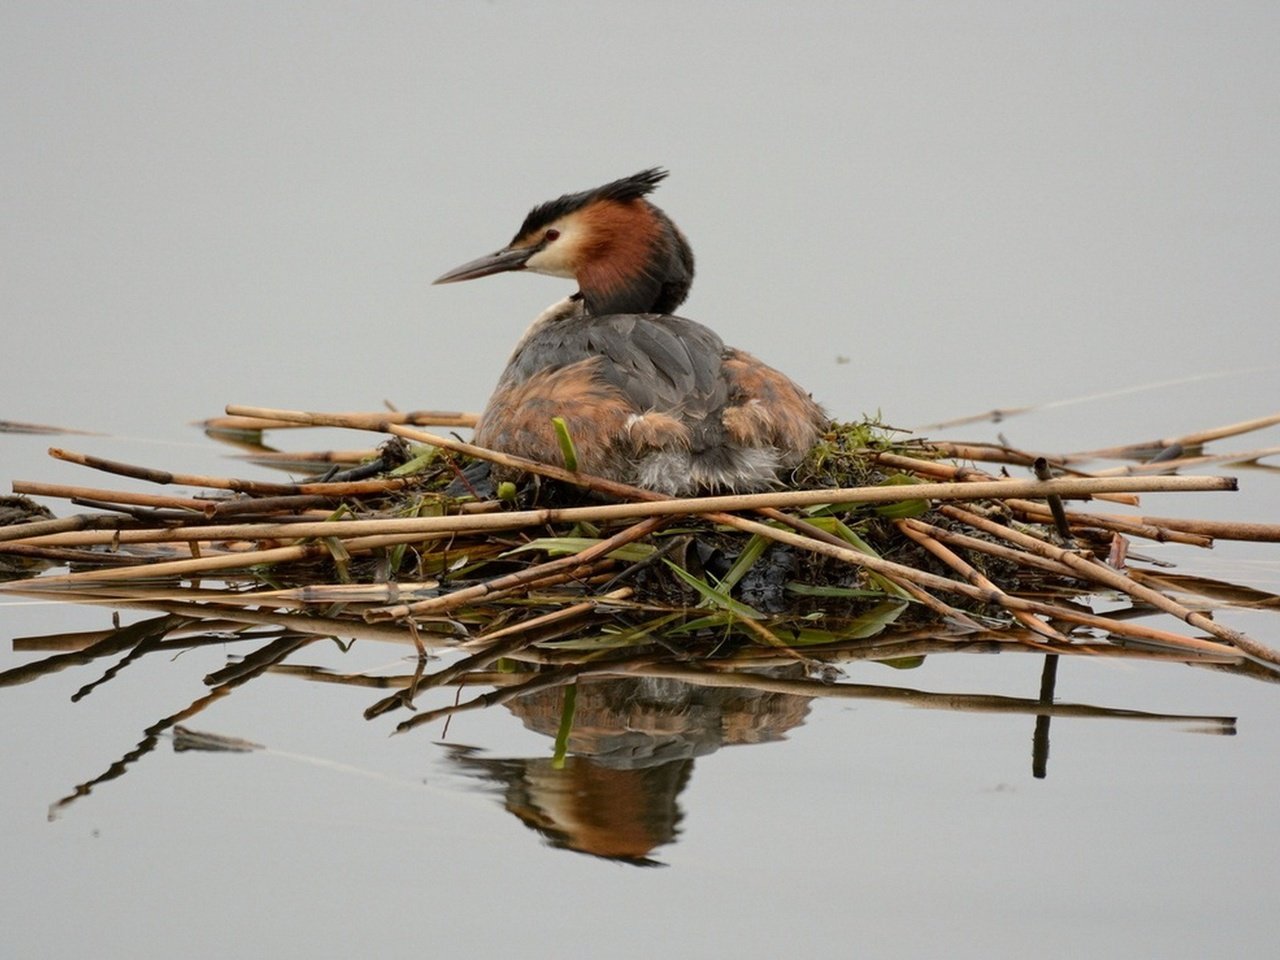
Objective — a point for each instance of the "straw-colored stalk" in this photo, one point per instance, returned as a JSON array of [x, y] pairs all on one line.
[[350, 488], [490, 647], [521, 578], [1092, 569], [997, 489], [1214, 529], [974, 703], [69, 492], [1142, 450], [1184, 463], [922, 534], [1039, 513], [933, 581], [419, 418]]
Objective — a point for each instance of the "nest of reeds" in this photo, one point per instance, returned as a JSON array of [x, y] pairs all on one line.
[[638, 631], [882, 546]]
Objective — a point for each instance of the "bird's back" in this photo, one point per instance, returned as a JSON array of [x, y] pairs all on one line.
[[655, 399], [660, 362]]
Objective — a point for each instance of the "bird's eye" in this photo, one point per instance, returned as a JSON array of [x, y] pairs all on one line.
[[551, 235]]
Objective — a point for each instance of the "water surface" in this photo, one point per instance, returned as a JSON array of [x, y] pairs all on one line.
[[929, 213]]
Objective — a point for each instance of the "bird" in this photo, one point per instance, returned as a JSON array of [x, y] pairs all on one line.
[[648, 398]]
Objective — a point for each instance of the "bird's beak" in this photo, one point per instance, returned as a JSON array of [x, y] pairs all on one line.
[[509, 258]]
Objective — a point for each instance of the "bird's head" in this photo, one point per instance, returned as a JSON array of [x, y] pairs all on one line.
[[626, 254]]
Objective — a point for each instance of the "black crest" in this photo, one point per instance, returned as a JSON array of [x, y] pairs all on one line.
[[628, 188]]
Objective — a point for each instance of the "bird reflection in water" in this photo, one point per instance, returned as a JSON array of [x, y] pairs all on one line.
[[624, 752], [630, 754]]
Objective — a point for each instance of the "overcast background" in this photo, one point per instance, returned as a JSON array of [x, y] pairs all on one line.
[[977, 204], [923, 209]]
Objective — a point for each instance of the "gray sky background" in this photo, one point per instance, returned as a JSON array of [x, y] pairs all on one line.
[[976, 204], [979, 204]]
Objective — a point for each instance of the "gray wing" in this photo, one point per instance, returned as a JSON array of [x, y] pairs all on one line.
[[660, 362]]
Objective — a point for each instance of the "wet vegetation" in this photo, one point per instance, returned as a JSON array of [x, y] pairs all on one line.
[[571, 599]]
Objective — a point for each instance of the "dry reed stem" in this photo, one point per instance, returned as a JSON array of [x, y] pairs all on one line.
[[304, 623], [1140, 450], [1002, 551], [767, 638], [1130, 526], [998, 489], [15, 426], [425, 527], [936, 468], [994, 415], [227, 483], [1182, 463], [480, 643], [592, 574], [380, 594], [40, 528], [419, 418], [219, 562], [989, 642], [390, 591], [64, 555], [740, 502], [1218, 529], [879, 565], [941, 609], [301, 598], [995, 453], [521, 578], [496, 650], [930, 468], [976, 703], [1100, 573], [961, 702], [68, 492], [923, 534], [272, 458], [490, 647], [186, 568], [295, 505]]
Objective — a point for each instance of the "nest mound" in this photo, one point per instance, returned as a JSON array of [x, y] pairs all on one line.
[[881, 545]]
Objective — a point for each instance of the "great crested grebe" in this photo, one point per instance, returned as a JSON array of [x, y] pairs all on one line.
[[648, 398]]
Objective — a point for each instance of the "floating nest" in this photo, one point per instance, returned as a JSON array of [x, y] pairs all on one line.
[[882, 546]]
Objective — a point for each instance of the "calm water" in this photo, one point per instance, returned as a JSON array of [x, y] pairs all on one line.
[[907, 824], [922, 212]]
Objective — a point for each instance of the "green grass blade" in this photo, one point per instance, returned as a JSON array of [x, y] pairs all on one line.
[[563, 546], [746, 559], [717, 598], [567, 449]]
